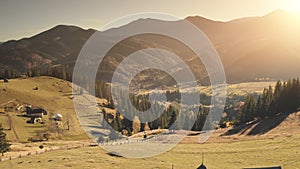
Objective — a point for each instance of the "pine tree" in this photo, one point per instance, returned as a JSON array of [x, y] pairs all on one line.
[[63, 73], [4, 145], [248, 111], [7, 73], [276, 96], [35, 72], [258, 107]]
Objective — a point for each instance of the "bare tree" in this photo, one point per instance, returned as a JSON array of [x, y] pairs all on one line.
[[146, 128], [136, 124], [68, 121]]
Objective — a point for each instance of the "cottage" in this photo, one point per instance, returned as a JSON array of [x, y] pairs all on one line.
[[35, 112], [39, 110]]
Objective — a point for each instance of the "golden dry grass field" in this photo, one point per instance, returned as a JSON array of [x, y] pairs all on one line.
[[54, 95], [284, 151]]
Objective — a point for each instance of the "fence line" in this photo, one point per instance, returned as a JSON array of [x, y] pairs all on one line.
[[79, 145], [45, 150]]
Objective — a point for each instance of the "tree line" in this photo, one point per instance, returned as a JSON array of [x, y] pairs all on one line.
[[61, 71], [4, 145], [283, 99], [171, 117]]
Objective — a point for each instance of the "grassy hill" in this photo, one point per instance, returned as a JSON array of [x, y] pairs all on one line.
[[282, 151], [54, 95]]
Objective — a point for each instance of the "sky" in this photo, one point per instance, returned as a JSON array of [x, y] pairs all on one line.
[[24, 18]]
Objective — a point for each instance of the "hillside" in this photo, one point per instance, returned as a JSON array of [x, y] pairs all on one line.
[[278, 126], [271, 42], [53, 95], [58, 45]]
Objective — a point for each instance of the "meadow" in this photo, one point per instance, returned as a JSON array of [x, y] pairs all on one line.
[[283, 151]]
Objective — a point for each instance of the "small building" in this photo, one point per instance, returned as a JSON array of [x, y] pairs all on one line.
[[58, 117], [202, 166], [5, 80], [35, 112], [35, 115], [39, 110]]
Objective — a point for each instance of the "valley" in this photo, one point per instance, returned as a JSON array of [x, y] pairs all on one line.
[[71, 146]]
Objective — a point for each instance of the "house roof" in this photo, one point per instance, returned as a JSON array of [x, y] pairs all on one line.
[[35, 115], [202, 167], [38, 110]]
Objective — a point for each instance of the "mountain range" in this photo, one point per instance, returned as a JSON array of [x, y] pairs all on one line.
[[250, 48]]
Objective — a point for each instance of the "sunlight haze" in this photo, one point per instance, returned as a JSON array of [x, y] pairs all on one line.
[[26, 18]]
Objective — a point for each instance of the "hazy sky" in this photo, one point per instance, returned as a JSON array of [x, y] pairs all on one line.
[[23, 18]]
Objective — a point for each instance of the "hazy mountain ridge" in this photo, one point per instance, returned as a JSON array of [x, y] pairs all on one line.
[[57, 45], [257, 47], [249, 47]]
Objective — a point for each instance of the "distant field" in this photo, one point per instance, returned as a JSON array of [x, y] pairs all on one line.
[[249, 87], [284, 151], [242, 88]]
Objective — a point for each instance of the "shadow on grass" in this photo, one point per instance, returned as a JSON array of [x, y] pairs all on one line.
[[256, 127]]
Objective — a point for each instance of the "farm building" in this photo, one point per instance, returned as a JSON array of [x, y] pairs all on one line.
[[35, 114], [31, 112]]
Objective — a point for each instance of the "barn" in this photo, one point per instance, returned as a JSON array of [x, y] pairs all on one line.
[[35, 114], [35, 111]]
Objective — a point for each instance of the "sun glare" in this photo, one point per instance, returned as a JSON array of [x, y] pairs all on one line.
[[291, 5]]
